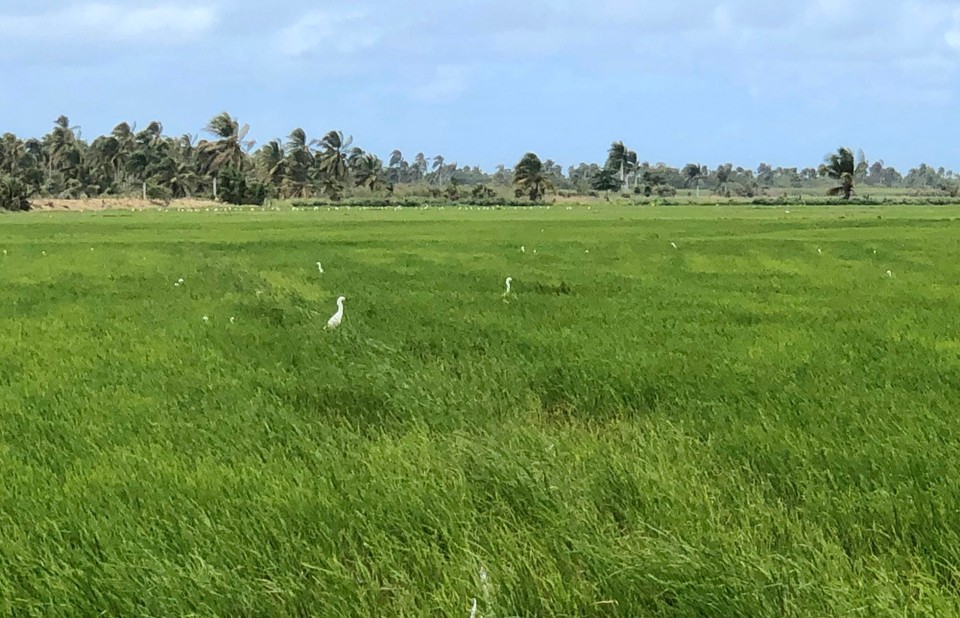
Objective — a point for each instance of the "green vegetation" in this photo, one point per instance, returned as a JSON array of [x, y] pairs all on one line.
[[150, 165], [740, 426]]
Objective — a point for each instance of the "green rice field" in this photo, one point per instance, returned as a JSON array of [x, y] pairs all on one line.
[[762, 421]]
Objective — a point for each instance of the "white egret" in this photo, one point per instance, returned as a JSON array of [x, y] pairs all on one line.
[[673, 244], [320, 267], [43, 253], [523, 249], [180, 280], [473, 610], [232, 319], [889, 273], [4, 251], [337, 317], [205, 319], [509, 279], [819, 250]]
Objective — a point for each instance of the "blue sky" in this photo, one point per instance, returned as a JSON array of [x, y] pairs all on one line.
[[483, 81]]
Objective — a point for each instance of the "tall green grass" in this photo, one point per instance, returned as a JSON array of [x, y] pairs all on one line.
[[739, 427]]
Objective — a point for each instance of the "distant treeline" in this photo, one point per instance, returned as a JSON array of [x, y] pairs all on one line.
[[227, 166]]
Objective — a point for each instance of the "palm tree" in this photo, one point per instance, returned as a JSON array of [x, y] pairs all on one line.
[[693, 172], [105, 161], [528, 175], [126, 144], [438, 168], [420, 166], [12, 153], [624, 161], [333, 156], [840, 166], [723, 174], [397, 165], [61, 146], [300, 160], [271, 163], [230, 147], [368, 172]]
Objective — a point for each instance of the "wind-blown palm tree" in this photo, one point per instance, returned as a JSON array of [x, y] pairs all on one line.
[[840, 166], [299, 162], [334, 149], [420, 166], [438, 168], [229, 148], [624, 161], [368, 172], [529, 176], [271, 163], [397, 166], [62, 146], [693, 172]]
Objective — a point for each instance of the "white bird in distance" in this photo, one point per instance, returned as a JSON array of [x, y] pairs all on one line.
[[337, 317]]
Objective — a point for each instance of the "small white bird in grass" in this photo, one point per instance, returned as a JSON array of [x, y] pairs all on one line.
[[337, 317], [43, 253], [205, 319], [233, 319], [473, 610], [508, 281], [889, 273], [674, 245], [819, 251], [320, 267], [523, 249]]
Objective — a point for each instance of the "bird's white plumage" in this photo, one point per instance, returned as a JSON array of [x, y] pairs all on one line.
[[320, 267], [673, 244], [508, 281], [337, 317]]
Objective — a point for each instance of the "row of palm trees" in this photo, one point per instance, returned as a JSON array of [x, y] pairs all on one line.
[[129, 161]]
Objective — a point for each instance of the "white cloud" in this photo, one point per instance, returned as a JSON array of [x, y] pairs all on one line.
[[447, 83], [344, 32], [99, 22], [952, 36]]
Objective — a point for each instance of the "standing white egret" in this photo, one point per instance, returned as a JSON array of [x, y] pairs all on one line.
[[819, 251], [205, 319], [509, 279], [233, 319], [337, 317], [523, 249], [889, 273], [473, 610], [320, 267], [673, 244]]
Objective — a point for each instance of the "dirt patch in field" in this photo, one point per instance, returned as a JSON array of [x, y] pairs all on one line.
[[114, 203]]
